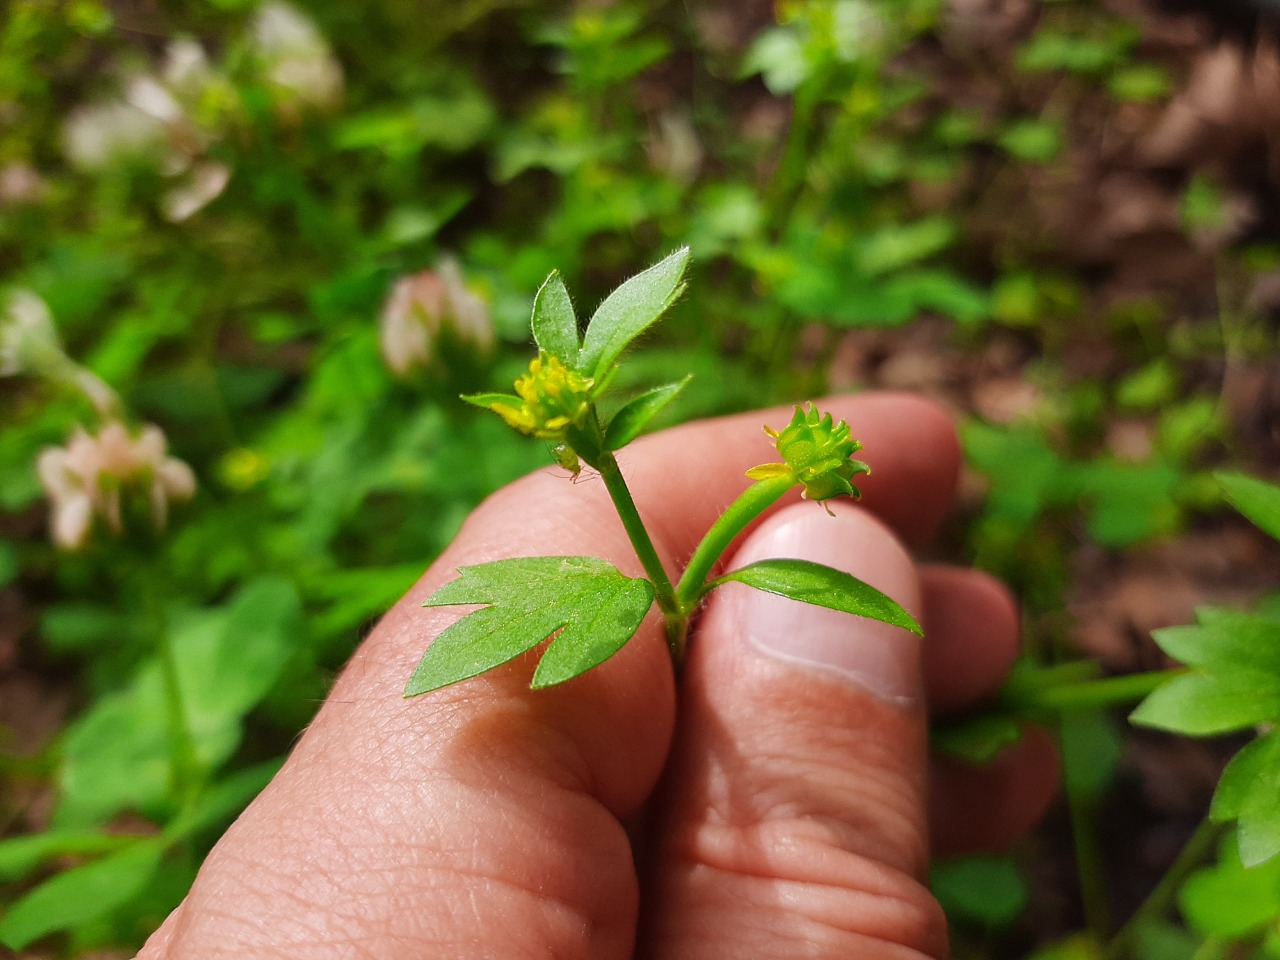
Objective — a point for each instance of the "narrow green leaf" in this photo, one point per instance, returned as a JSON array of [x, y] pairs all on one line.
[[20, 855], [224, 800], [1257, 500], [487, 400], [555, 328], [630, 310], [1224, 637], [528, 599], [1247, 792], [81, 894], [1206, 704], [629, 422], [977, 739], [824, 587]]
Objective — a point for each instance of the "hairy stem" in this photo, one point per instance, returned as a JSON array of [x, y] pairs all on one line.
[[754, 501], [607, 464]]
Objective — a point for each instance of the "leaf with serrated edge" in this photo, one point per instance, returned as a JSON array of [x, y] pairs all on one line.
[[555, 327], [1257, 500], [1205, 704], [822, 586], [629, 422], [630, 310], [527, 600], [1224, 637], [1247, 792]]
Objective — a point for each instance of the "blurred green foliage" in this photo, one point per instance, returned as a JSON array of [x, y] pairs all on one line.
[[220, 202]]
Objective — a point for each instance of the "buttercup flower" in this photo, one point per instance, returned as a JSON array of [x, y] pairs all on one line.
[[421, 308], [549, 403], [552, 398], [817, 452], [90, 475]]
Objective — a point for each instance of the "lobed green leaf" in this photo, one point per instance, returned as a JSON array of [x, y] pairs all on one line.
[[629, 422], [630, 310], [594, 606], [1225, 638], [555, 327], [1203, 704], [1230, 900], [1248, 792], [1257, 500], [822, 586]]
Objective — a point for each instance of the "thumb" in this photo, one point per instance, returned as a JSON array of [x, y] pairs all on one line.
[[795, 812]]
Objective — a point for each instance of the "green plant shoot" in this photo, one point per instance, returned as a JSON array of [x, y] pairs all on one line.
[[1233, 684], [587, 607]]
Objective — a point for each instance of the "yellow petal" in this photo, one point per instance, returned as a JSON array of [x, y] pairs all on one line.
[[768, 471]]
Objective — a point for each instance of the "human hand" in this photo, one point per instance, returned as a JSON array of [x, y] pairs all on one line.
[[489, 820]]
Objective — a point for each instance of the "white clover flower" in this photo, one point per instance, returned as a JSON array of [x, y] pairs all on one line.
[[200, 187], [425, 305], [186, 69], [149, 95], [296, 56], [167, 121], [29, 344], [90, 475], [100, 136], [28, 338]]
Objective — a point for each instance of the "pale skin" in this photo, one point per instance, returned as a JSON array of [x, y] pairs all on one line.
[[758, 808]]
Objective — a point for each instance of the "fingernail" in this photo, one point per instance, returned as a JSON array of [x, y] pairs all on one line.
[[882, 659]]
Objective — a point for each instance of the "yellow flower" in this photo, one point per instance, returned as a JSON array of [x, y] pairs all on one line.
[[550, 400]]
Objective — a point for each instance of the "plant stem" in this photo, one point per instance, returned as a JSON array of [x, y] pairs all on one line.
[[1082, 808], [1193, 854], [754, 501], [184, 762], [1103, 692], [614, 482], [1213, 948]]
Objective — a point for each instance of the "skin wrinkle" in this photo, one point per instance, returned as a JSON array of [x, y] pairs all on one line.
[[891, 909], [557, 910]]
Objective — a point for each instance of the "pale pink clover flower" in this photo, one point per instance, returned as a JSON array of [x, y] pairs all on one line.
[[87, 478]]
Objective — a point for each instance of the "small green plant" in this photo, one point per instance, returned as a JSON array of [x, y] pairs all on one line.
[[589, 607]]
